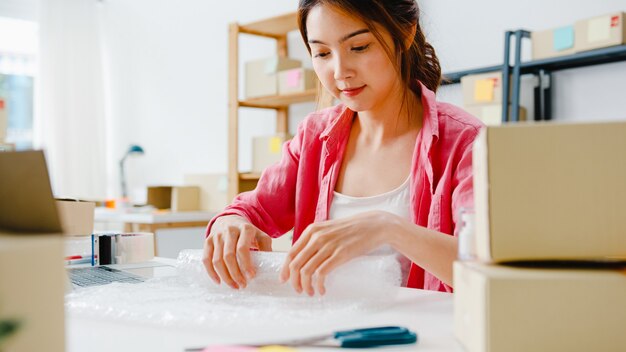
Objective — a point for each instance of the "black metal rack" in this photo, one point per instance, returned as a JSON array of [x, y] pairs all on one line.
[[542, 69]]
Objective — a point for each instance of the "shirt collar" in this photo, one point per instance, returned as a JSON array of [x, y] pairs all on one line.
[[430, 116]]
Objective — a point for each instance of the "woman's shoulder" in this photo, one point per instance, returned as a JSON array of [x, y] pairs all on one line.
[[453, 120], [319, 121]]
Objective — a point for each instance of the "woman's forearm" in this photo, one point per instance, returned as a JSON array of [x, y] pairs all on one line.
[[433, 251]]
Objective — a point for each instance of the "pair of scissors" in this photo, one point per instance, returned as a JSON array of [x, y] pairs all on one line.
[[358, 338]]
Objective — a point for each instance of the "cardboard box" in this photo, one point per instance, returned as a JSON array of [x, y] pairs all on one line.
[[553, 42], [491, 115], [262, 75], [77, 217], [267, 150], [550, 191], [482, 89], [4, 119], [601, 32], [296, 80], [32, 273], [499, 308], [32, 289], [175, 198], [213, 190]]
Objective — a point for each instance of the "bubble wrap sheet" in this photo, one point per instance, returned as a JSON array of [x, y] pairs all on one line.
[[191, 299]]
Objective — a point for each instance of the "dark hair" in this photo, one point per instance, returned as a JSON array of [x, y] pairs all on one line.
[[417, 62]]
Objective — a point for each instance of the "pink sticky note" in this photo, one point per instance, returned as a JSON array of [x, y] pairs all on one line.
[[293, 78]]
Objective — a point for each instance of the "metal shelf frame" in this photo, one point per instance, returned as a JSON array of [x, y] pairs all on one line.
[[542, 69]]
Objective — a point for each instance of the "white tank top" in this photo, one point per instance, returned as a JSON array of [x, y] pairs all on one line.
[[397, 201]]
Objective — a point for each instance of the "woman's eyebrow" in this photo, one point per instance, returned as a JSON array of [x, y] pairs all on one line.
[[343, 39]]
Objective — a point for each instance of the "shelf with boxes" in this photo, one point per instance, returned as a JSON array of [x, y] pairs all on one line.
[[594, 41], [271, 83]]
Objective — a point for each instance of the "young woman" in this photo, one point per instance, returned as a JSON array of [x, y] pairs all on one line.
[[386, 169]]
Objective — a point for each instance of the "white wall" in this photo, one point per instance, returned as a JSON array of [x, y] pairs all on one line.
[[168, 67]]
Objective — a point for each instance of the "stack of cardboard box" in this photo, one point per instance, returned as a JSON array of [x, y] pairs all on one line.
[[270, 77], [588, 34], [482, 97], [277, 76], [548, 271]]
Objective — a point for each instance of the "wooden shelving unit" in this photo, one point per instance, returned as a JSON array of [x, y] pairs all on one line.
[[277, 29]]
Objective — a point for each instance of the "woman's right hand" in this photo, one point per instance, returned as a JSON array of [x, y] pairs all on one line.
[[226, 254]]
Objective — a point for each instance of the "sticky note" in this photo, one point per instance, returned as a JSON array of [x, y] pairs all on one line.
[[276, 349], [233, 348], [270, 65], [275, 143], [615, 21], [483, 90], [563, 38], [293, 78], [492, 115], [599, 29]]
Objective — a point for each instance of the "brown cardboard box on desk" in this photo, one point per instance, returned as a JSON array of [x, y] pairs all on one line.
[[32, 274], [77, 217], [550, 191], [175, 198], [601, 32], [499, 308]]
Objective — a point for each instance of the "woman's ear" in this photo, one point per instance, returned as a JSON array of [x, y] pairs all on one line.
[[409, 40]]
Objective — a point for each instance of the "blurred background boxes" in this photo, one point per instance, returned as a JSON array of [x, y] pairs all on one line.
[[267, 150], [485, 88], [553, 42], [491, 115], [550, 191], [213, 190], [499, 308], [175, 198], [482, 97], [296, 80], [600, 32], [261, 75]]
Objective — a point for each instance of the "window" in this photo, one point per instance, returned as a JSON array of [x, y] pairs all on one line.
[[18, 68]]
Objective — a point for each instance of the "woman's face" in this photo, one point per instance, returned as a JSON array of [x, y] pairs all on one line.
[[349, 61]]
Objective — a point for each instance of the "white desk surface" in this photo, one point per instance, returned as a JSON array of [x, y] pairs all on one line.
[[152, 217], [428, 313]]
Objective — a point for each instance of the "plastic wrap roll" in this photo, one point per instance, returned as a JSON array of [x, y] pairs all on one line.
[[364, 276]]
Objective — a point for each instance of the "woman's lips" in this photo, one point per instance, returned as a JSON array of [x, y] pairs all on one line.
[[352, 92]]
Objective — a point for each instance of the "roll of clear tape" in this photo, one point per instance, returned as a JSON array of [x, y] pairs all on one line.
[[363, 276]]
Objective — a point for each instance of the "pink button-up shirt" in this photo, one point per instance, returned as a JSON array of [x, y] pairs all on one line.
[[298, 190]]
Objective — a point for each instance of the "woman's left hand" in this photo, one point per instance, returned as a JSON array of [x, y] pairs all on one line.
[[324, 246]]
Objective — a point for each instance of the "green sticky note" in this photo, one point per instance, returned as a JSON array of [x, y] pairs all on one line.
[[563, 38], [270, 65]]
